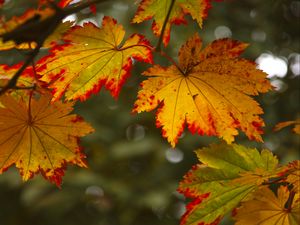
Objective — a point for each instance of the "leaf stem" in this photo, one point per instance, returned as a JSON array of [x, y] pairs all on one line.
[[158, 46], [29, 108], [162, 53], [290, 200], [279, 179]]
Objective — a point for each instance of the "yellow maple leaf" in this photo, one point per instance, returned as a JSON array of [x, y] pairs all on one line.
[[209, 91], [267, 209], [93, 59], [38, 136], [158, 10]]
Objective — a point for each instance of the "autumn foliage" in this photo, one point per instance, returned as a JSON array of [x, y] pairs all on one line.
[[208, 89]]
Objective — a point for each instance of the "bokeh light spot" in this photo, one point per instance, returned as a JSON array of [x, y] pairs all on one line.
[[174, 155], [274, 66]]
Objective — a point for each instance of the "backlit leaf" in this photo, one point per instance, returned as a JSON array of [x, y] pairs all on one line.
[[9, 26], [294, 177], [64, 3], [158, 10], [30, 16], [268, 209], [292, 173], [93, 58], [213, 185], [38, 136], [7, 72], [26, 80], [209, 91]]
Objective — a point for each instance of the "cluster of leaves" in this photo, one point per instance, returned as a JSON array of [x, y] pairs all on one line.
[[209, 90], [233, 174]]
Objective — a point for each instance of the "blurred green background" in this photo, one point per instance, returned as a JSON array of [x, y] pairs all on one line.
[[133, 173]]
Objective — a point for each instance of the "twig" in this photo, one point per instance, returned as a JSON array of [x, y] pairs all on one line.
[[23, 88], [158, 46]]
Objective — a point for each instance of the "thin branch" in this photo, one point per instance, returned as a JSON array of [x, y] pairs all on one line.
[[290, 200], [158, 46], [33, 87], [275, 180], [280, 179]]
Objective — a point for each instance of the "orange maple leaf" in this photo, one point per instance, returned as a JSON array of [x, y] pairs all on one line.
[[27, 78], [61, 3], [292, 170], [209, 91], [93, 58], [38, 136], [282, 125], [7, 34], [14, 35], [65, 3], [294, 177], [158, 10], [268, 209]]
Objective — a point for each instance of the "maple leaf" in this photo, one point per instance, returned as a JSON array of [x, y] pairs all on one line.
[[292, 173], [267, 209], [282, 125], [13, 35], [209, 91], [213, 185], [61, 3], [9, 39], [8, 26], [38, 136], [27, 78], [294, 177], [65, 3], [158, 10], [266, 169], [94, 58], [57, 35]]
